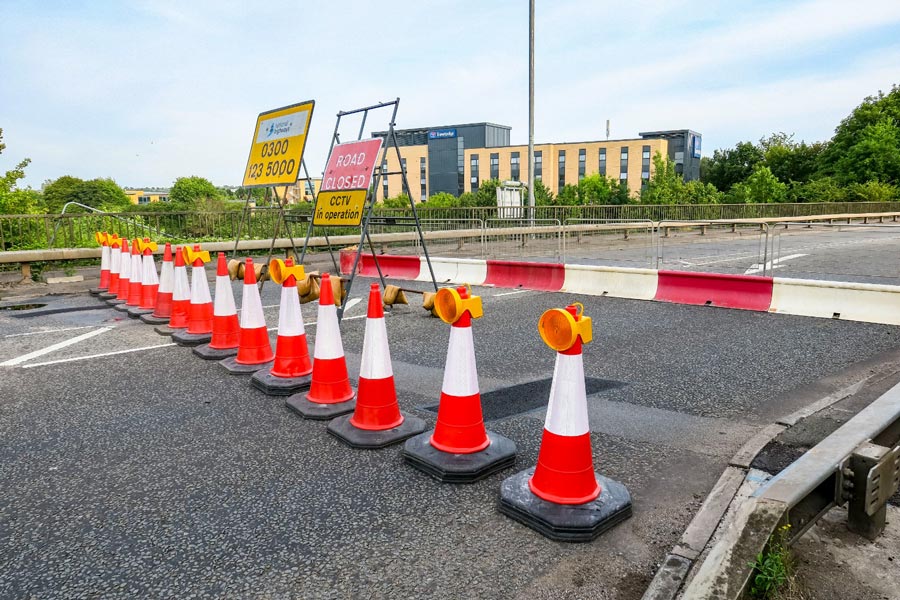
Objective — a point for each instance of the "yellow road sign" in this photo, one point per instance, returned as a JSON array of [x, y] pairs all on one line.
[[339, 207], [277, 147]]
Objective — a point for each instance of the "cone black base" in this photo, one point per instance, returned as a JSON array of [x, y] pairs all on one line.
[[122, 307], [149, 319], [367, 438], [271, 385], [96, 291], [319, 412], [207, 353], [166, 330], [235, 368], [106, 295], [459, 468], [115, 302], [136, 311], [183, 338], [565, 522]]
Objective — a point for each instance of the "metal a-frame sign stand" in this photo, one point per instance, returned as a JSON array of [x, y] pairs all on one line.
[[390, 141]]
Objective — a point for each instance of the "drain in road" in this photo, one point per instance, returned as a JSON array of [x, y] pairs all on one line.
[[22, 306], [525, 397]]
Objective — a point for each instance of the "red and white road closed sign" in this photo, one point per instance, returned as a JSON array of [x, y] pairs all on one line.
[[351, 165]]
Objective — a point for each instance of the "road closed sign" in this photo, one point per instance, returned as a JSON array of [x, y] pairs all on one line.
[[342, 197], [277, 147]]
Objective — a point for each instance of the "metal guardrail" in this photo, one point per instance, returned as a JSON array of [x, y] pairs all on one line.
[[597, 239], [857, 465], [748, 255]]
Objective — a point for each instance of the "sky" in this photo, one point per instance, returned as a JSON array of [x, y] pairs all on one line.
[[145, 91]]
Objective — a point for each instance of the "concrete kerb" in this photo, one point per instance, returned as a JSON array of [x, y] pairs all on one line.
[[676, 566]]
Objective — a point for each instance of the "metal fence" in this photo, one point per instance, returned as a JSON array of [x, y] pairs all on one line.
[[609, 242], [721, 247], [507, 239]]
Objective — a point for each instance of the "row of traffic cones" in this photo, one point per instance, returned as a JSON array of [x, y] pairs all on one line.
[[562, 496]]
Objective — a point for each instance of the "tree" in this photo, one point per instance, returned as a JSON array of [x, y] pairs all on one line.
[[187, 192], [12, 199], [664, 186], [762, 187], [875, 155], [597, 189], [401, 201], [442, 200], [542, 194], [102, 194], [789, 160], [823, 189], [730, 166], [567, 196]]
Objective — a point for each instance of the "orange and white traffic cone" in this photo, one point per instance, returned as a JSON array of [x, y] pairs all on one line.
[[181, 298], [254, 348], [292, 368], [103, 239], [162, 305], [563, 497], [459, 449], [226, 329], [200, 311], [115, 260], [124, 276], [330, 394], [377, 421], [149, 280], [134, 284]]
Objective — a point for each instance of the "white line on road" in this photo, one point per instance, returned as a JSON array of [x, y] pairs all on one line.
[[90, 356], [772, 264], [350, 304], [11, 335], [313, 323], [79, 338], [511, 293]]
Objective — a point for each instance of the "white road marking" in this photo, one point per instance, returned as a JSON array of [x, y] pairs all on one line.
[[313, 323], [77, 358], [511, 293], [12, 335], [53, 348], [351, 303], [772, 264]]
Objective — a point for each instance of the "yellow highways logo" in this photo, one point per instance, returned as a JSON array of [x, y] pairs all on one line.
[[280, 270], [561, 327], [450, 304], [191, 254], [144, 245]]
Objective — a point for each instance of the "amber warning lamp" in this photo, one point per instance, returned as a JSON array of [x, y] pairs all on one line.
[[560, 328], [280, 270], [452, 303], [192, 254]]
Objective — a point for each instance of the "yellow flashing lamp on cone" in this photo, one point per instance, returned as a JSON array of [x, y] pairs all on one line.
[[561, 328], [145, 244], [451, 304], [192, 254], [101, 237], [280, 270]]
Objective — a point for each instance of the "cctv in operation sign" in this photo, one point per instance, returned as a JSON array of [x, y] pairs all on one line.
[[277, 147], [342, 197]]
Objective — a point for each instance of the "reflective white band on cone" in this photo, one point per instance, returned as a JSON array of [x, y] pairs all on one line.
[[567, 412], [290, 318], [328, 334], [460, 373], [224, 304], [376, 355]]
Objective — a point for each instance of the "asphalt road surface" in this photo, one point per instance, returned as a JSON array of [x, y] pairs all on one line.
[[131, 468]]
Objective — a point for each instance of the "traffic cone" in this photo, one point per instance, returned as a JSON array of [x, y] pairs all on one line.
[[115, 260], [149, 280], [254, 348], [377, 421], [292, 368], [133, 298], [124, 276], [459, 449], [226, 328], [200, 311], [563, 497], [163, 303], [329, 393], [181, 298], [103, 239]]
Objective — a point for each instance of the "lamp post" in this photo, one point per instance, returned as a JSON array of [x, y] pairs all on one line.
[[531, 111]]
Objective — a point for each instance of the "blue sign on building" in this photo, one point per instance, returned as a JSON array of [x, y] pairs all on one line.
[[695, 145], [441, 134]]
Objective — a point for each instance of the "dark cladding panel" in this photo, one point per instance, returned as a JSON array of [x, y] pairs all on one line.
[[443, 165]]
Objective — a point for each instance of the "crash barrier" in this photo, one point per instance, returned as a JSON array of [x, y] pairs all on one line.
[[857, 465], [870, 303]]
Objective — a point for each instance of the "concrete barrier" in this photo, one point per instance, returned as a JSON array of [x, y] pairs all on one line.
[[728, 291], [868, 302], [454, 270], [548, 277], [624, 282], [393, 266]]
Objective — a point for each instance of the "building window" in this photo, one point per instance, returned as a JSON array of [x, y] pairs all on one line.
[[495, 166], [582, 162], [514, 166], [538, 164], [384, 180], [562, 168], [143, 199], [460, 166], [423, 182], [623, 163], [645, 162], [602, 169], [473, 172], [163, 198]]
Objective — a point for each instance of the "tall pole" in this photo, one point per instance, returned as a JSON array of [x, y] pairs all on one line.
[[531, 110]]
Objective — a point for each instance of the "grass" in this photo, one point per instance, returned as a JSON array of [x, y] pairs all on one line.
[[774, 571]]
